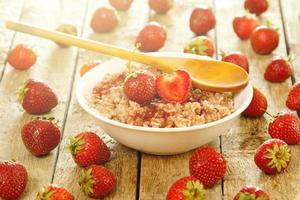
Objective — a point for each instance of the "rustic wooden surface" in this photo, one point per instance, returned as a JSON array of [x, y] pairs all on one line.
[[140, 176]]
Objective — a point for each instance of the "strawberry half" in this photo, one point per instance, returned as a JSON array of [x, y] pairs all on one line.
[[251, 193], [53, 192], [13, 180], [208, 166], [278, 70], [140, 87], [174, 87], [97, 181], [186, 188], [40, 136], [37, 97], [257, 106], [286, 127], [87, 149], [273, 156], [293, 99]]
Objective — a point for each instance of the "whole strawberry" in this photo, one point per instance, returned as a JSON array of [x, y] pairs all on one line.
[[87, 149], [186, 188], [244, 25], [251, 193], [160, 6], [40, 136], [286, 127], [258, 105], [13, 180], [36, 97], [278, 70], [237, 58], [200, 45], [293, 99], [96, 181], [208, 166], [273, 156], [256, 6], [53, 192], [202, 19], [264, 39], [140, 87], [21, 57]]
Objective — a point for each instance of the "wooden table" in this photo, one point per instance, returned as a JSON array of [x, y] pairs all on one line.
[[140, 176]]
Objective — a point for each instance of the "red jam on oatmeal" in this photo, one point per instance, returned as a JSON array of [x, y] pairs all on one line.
[[149, 98]]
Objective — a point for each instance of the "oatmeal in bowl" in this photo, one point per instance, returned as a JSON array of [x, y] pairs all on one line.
[[115, 98], [155, 112]]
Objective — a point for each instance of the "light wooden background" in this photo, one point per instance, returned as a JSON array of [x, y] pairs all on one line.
[[140, 176]]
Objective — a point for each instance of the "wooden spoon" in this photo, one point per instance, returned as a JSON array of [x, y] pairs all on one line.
[[206, 74]]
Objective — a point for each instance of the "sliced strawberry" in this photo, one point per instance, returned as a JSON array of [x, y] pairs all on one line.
[[174, 87]]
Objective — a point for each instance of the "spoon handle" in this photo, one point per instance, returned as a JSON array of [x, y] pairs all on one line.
[[83, 43]]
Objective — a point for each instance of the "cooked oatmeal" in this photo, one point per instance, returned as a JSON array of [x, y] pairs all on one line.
[[202, 107]]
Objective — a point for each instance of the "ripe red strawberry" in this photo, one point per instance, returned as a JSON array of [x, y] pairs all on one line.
[[151, 38], [186, 188], [13, 180], [105, 20], [174, 87], [256, 6], [160, 6], [36, 97], [278, 70], [273, 156], [40, 136], [53, 192], [140, 87], [257, 106], [264, 39], [208, 166], [251, 193], [293, 99], [87, 149], [96, 181], [243, 26], [21, 57], [286, 127], [237, 58], [200, 45], [202, 19], [121, 4]]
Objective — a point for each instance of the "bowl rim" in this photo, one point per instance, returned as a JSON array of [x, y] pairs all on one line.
[[82, 102]]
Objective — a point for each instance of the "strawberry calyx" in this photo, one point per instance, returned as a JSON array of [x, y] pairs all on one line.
[[197, 46], [22, 90], [279, 157], [269, 24], [45, 194], [194, 191], [75, 144], [86, 181], [249, 196]]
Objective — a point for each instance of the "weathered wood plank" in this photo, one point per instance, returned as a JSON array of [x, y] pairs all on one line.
[[10, 10], [247, 134], [291, 16], [54, 66], [156, 181], [124, 161]]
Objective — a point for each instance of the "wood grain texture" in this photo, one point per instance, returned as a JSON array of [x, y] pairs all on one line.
[[156, 181], [9, 10], [123, 162], [49, 68], [247, 134], [291, 16]]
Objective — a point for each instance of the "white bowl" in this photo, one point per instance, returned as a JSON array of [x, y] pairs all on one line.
[[159, 141]]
